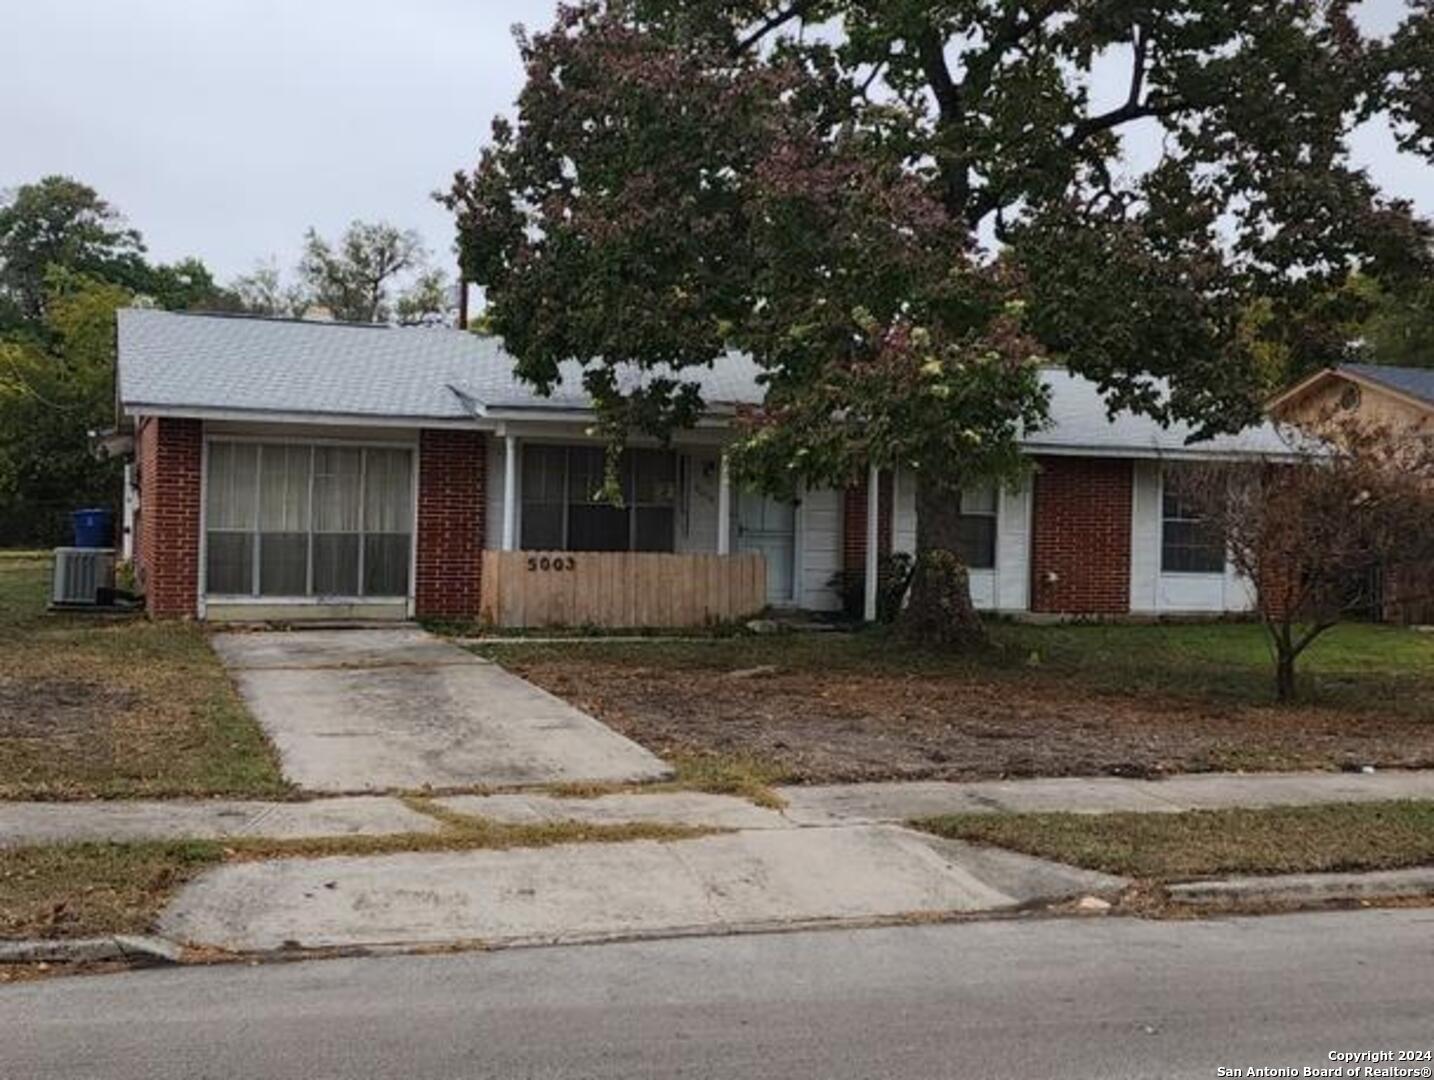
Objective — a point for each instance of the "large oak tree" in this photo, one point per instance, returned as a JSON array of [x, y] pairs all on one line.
[[897, 208]]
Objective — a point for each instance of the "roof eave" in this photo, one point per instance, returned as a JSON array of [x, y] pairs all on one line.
[[280, 416]]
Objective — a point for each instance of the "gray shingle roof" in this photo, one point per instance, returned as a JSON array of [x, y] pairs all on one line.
[[1080, 421], [1416, 382], [199, 363], [235, 363]]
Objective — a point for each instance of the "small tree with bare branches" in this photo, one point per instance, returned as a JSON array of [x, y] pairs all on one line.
[[1312, 529]]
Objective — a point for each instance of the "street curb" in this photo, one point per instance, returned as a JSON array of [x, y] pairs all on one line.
[[1308, 888], [133, 949]]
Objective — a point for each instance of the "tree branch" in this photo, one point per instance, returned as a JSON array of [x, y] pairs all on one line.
[[772, 23], [1133, 108]]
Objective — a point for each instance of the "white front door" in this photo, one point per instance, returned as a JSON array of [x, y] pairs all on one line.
[[769, 526]]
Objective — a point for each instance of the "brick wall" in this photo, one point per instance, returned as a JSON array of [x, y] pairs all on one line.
[[169, 452], [854, 523], [450, 523], [1080, 536]]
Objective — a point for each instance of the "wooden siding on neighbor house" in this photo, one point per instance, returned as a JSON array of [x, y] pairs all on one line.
[[617, 590]]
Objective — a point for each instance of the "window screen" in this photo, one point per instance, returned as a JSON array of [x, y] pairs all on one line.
[[544, 497], [231, 515], [300, 520], [284, 520], [563, 509]]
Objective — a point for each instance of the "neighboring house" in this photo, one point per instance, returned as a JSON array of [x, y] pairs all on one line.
[[1399, 398], [287, 469]]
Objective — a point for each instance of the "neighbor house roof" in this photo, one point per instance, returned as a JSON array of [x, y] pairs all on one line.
[[223, 365], [1413, 384]]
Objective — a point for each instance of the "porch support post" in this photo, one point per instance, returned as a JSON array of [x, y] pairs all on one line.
[[510, 492], [724, 509], [873, 539]]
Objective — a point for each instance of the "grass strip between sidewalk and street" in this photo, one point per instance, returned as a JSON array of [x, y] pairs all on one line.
[[88, 889], [1206, 843]]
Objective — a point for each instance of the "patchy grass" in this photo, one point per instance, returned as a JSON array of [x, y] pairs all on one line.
[[1207, 843], [82, 890], [747, 777], [715, 774], [101, 707], [1138, 700], [1226, 661]]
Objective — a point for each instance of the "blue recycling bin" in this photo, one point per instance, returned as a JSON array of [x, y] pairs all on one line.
[[94, 528]]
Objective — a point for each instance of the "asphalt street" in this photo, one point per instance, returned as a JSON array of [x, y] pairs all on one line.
[[1101, 997]]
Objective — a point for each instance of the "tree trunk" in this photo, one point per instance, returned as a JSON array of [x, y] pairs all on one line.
[[1284, 675], [939, 611]]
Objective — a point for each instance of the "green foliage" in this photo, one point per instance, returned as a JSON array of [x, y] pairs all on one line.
[[1399, 328], [355, 279], [688, 176], [809, 182], [67, 261], [58, 221], [893, 579], [51, 396]]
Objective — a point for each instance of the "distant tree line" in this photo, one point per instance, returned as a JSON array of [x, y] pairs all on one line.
[[69, 259]]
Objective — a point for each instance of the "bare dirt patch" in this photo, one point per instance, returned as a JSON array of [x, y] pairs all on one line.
[[831, 727], [58, 708], [117, 708]]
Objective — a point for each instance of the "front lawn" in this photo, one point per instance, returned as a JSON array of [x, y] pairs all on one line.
[[98, 707], [1044, 700], [1207, 843]]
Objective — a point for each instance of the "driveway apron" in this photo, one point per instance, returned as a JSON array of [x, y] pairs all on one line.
[[376, 710]]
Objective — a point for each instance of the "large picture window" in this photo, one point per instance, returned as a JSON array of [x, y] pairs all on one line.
[[562, 510], [977, 527], [1189, 544], [288, 520]]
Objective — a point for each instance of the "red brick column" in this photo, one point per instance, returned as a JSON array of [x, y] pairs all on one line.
[[450, 523], [1080, 536], [170, 457], [854, 524]]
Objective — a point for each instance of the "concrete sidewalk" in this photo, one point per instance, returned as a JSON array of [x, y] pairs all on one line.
[[826, 806], [588, 892], [205, 819], [852, 803]]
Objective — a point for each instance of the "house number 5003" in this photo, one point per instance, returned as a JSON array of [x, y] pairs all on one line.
[[552, 562]]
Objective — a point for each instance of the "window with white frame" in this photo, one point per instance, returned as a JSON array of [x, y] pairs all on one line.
[[562, 511], [295, 520], [1189, 543], [976, 527]]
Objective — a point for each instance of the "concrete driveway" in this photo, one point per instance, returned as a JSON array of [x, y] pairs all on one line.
[[374, 710]]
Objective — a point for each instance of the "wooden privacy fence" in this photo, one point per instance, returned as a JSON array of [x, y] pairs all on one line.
[[619, 589]]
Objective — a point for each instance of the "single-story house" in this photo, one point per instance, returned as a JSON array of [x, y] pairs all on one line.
[[287, 468]]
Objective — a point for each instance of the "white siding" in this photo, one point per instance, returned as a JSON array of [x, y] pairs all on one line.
[[1156, 593], [1010, 584], [819, 549], [1003, 588], [697, 514], [1145, 537], [903, 502]]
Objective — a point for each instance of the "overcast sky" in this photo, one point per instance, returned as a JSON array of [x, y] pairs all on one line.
[[224, 128]]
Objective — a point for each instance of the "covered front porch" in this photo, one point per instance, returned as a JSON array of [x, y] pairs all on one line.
[[686, 546]]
